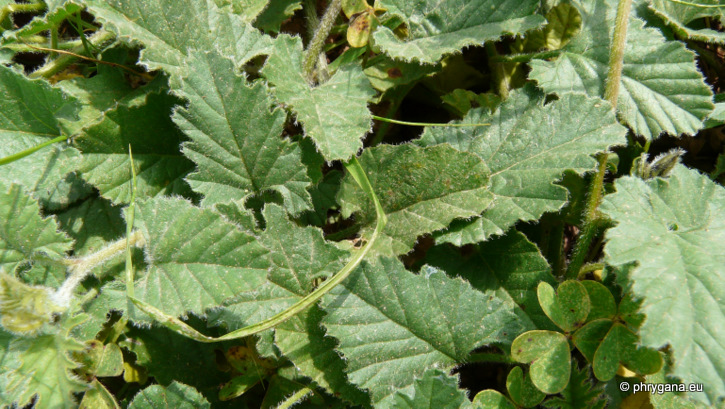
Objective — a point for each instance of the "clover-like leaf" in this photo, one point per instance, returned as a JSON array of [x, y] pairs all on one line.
[[521, 388], [568, 307], [491, 399], [548, 354], [456, 185], [174, 396], [334, 114], [435, 30], [649, 61], [237, 141], [196, 259], [528, 146], [602, 304], [620, 345], [394, 325], [673, 229]]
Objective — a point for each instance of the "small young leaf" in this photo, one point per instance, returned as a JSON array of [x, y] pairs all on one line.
[[548, 354], [568, 307], [619, 345], [435, 389]]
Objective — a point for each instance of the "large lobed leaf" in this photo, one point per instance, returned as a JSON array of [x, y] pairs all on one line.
[[164, 28], [196, 258], [334, 114], [394, 325], [421, 191], [236, 140], [24, 234], [683, 18], [674, 230], [436, 28], [661, 89], [528, 146]]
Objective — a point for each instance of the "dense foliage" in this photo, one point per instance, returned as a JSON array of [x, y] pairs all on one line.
[[407, 204]]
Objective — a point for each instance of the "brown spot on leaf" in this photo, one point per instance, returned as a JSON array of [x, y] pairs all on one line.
[[394, 73]]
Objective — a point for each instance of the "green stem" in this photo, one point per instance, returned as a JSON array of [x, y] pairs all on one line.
[[524, 57], [20, 8], [611, 92], [395, 121], [295, 398], [590, 268], [489, 357], [703, 6], [318, 40], [22, 154], [28, 48], [175, 324], [79, 268], [53, 41], [129, 227], [53, 67], [498, 74]]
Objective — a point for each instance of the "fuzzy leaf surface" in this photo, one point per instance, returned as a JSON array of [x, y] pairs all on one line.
[[435, 389], [196, 258], [421, 190], [528, 147], [24, 233], [437, 28], [334, 114], [236, 140], [168, 34], [175, 396], [674, 229], [661, 89], [680, 16], [394, 325], [154, 140], [45, 371]]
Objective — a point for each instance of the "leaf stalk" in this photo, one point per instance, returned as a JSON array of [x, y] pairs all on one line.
[[318, 40]]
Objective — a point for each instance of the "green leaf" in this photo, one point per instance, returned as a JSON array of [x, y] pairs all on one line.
[[302, 340], [668, 400], [196, 259], [435, 389], [276, 13], [601, 300], [247, 9], [175, 396], [169, 35], [568, 307], [24, 234], [236, 141], [673, 228], [563, 23], [385, 73], [644, 103], [491, 399], [579, 393], [456, 185], [334, 114], [683, 18], [548, 354], [155, 140], [32, 113], [298, 255], [394, 325], [434, 31], [45, 372], [619, 345], [528, 147], [522, 390], [588, 338], [510, 265]]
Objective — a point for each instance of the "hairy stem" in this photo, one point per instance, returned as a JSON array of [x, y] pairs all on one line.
[[53, 67], [318, 40], [179, 326], [524, 57], [295, 398], [20, 8], [79, 268], [611, 92]]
